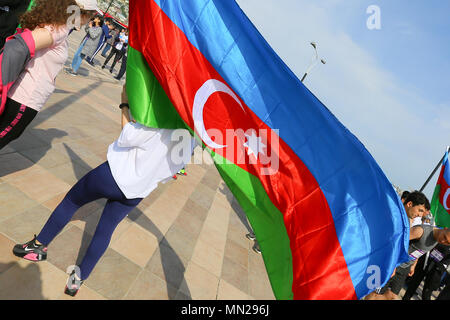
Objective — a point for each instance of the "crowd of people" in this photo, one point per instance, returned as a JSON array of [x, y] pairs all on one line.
[[102, 35], [140, 158]]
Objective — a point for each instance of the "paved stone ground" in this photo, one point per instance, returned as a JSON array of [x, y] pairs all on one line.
[[185, 241]]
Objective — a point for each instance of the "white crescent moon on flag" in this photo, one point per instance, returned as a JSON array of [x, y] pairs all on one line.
[[446, 195], [201, 97]]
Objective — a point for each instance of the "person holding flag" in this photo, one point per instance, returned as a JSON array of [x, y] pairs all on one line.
[[322, 210], [423, 238], [137, 162]]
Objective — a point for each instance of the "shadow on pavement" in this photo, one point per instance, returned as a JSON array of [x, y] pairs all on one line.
[[38, 151], [40, 140], [21, 283], [236, 207]]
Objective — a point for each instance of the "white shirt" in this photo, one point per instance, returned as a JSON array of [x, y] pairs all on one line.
[[142, 157]]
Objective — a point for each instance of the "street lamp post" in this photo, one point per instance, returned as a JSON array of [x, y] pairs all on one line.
[[314, 61]]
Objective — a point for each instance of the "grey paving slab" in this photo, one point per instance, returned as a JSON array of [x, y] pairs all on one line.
[[169, 265]]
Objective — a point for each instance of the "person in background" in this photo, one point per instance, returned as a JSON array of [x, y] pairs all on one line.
[[405, 195], [421, 262], [103, 38], [94, 31], [111, 40], [118, 50], [423, 238], [10, 11], [445, 292], [432, 270], [123, 67], [77, 59], [416, 204]]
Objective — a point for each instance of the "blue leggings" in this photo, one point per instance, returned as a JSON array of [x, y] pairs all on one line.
[[98, 183]]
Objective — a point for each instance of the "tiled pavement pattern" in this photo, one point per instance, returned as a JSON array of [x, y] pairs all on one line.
[[185, 241]]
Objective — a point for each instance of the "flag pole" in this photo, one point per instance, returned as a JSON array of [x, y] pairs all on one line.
[[434, 171]]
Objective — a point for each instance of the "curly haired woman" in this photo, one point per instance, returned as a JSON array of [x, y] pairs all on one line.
[[48, 22]]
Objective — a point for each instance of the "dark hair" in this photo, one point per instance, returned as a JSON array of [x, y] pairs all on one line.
[[417, 198], [101, 20], [47, 12], [405, 194]]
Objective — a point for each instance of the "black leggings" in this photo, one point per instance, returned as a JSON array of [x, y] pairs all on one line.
[[13, 121], [114, 51]]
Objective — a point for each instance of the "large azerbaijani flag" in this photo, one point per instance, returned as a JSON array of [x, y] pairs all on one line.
[[323, 212], [440, 204]]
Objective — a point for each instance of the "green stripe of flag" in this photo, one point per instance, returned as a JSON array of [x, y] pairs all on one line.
[[149, 104]]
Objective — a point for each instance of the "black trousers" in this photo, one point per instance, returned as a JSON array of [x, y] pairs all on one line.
[[114, 51], [123, 67], [13, 121], [433, 273], [416, 279], [445, 293]]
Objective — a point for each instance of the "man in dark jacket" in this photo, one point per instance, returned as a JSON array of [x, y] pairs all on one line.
[[10, 10]]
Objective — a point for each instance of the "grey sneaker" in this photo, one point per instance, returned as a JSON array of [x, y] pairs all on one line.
[[71, 72]]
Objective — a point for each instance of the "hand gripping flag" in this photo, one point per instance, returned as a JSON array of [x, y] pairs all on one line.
[[440, 204], [328, 221]]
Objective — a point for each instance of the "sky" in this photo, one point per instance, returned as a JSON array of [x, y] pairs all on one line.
[[389, 86]]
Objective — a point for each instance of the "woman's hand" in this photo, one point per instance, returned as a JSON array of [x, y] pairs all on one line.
[[125, 116], [125, 111]]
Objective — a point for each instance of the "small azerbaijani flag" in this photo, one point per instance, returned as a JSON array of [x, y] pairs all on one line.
[[323, 212], [440, 204]]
